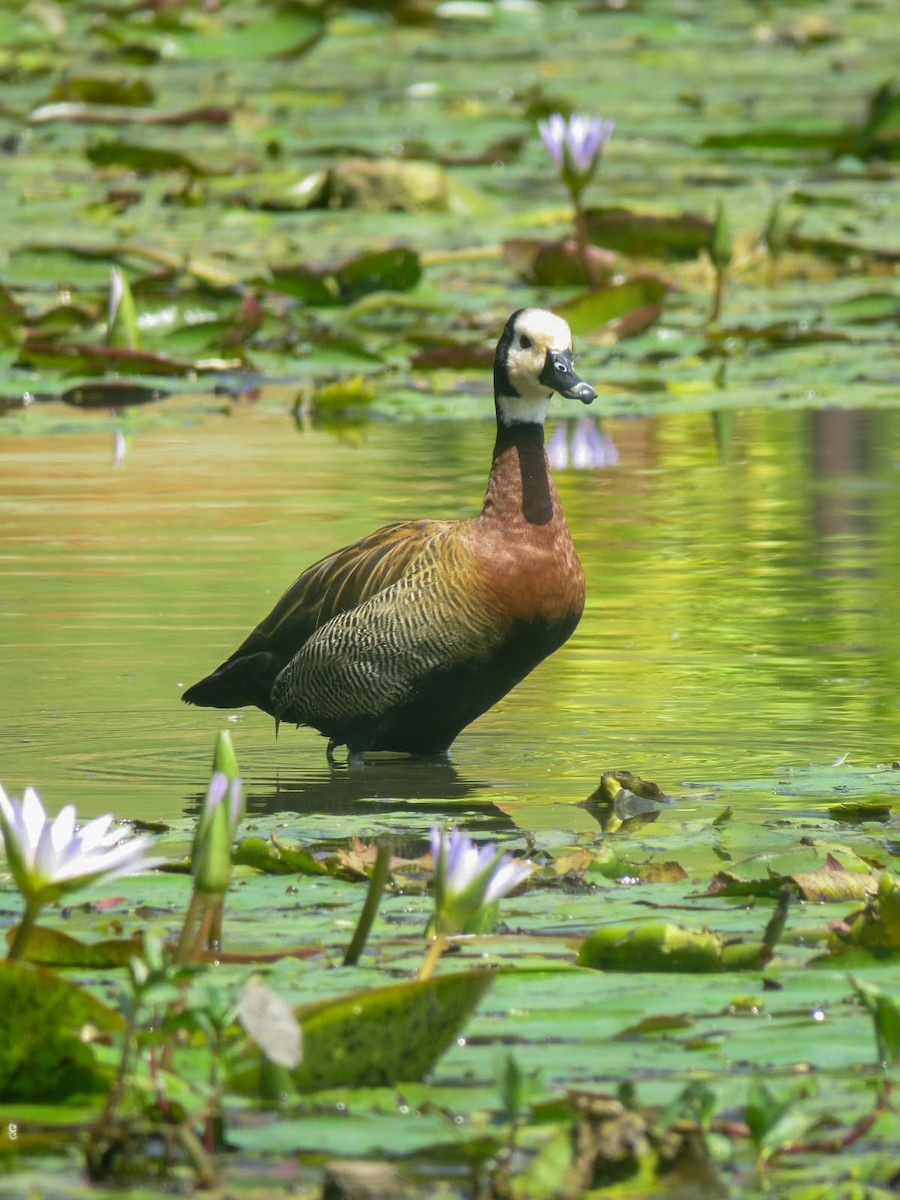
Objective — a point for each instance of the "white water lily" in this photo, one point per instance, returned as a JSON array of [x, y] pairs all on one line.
[[48, 858], [470, 880]]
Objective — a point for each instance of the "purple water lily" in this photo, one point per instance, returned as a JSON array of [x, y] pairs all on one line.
[[576, 145], [468, 879]]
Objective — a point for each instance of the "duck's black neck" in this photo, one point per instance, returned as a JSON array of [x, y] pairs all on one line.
[[520, 485]]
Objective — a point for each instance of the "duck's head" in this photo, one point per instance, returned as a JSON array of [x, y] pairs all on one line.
[[534, 360]]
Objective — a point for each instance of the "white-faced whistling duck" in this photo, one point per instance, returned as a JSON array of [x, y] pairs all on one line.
[[402, 639]]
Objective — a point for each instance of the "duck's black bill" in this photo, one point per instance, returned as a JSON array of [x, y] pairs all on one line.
[[559, 374]]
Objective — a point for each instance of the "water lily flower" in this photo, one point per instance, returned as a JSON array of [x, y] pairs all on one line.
[[220, 816], [469, 881], [48, 858], [576, 145]]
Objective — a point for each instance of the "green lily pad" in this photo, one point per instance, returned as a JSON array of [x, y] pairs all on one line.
[[378, 1037], [649, 235], [639, 298], [276, 858], [42, 1052], [661, 946]]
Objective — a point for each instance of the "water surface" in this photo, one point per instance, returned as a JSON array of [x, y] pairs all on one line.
[[741, 618]]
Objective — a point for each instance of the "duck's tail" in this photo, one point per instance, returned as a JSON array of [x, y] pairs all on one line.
[[239, 682]]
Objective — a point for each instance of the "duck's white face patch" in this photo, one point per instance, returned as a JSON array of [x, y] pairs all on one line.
[[534, 333]]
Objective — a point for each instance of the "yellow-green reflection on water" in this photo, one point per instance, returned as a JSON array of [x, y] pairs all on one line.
[[741, 618]]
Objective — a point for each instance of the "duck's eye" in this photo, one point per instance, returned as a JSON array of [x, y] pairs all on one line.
[[525, 342]]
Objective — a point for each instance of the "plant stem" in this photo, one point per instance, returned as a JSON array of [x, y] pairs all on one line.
[[435, 950], [581, 232], [186, 938], [718, 294], [29, 916], [377, 880]]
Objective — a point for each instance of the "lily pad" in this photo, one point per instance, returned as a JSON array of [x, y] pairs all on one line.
[[42, 1052], [649, 235], [381, 1036], [626, 307], [661, 946]]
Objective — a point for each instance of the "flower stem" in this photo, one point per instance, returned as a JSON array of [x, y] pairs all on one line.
[[435, 950], [718, 294], [191, 917], [377, 881], [581, 232], [29, 916]]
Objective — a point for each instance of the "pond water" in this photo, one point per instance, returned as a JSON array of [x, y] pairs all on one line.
[[741, 617]]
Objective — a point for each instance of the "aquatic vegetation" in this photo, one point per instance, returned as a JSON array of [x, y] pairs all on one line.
[[322, 211], [470, 881], [577, 146], [48, 859]]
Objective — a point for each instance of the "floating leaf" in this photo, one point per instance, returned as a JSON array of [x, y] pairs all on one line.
[[648, 235], [53, 948], [103, 89], [388, 185], [276, 858], [111, 393], [840, 249], [779, 333], [231, 32], [661, 946], [396, 270], [867, 308], [77, 358], [612, 303], [138, 156], [41, 1051], [110, 114], [885, 1013], [381, 1036], [557, 264]]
